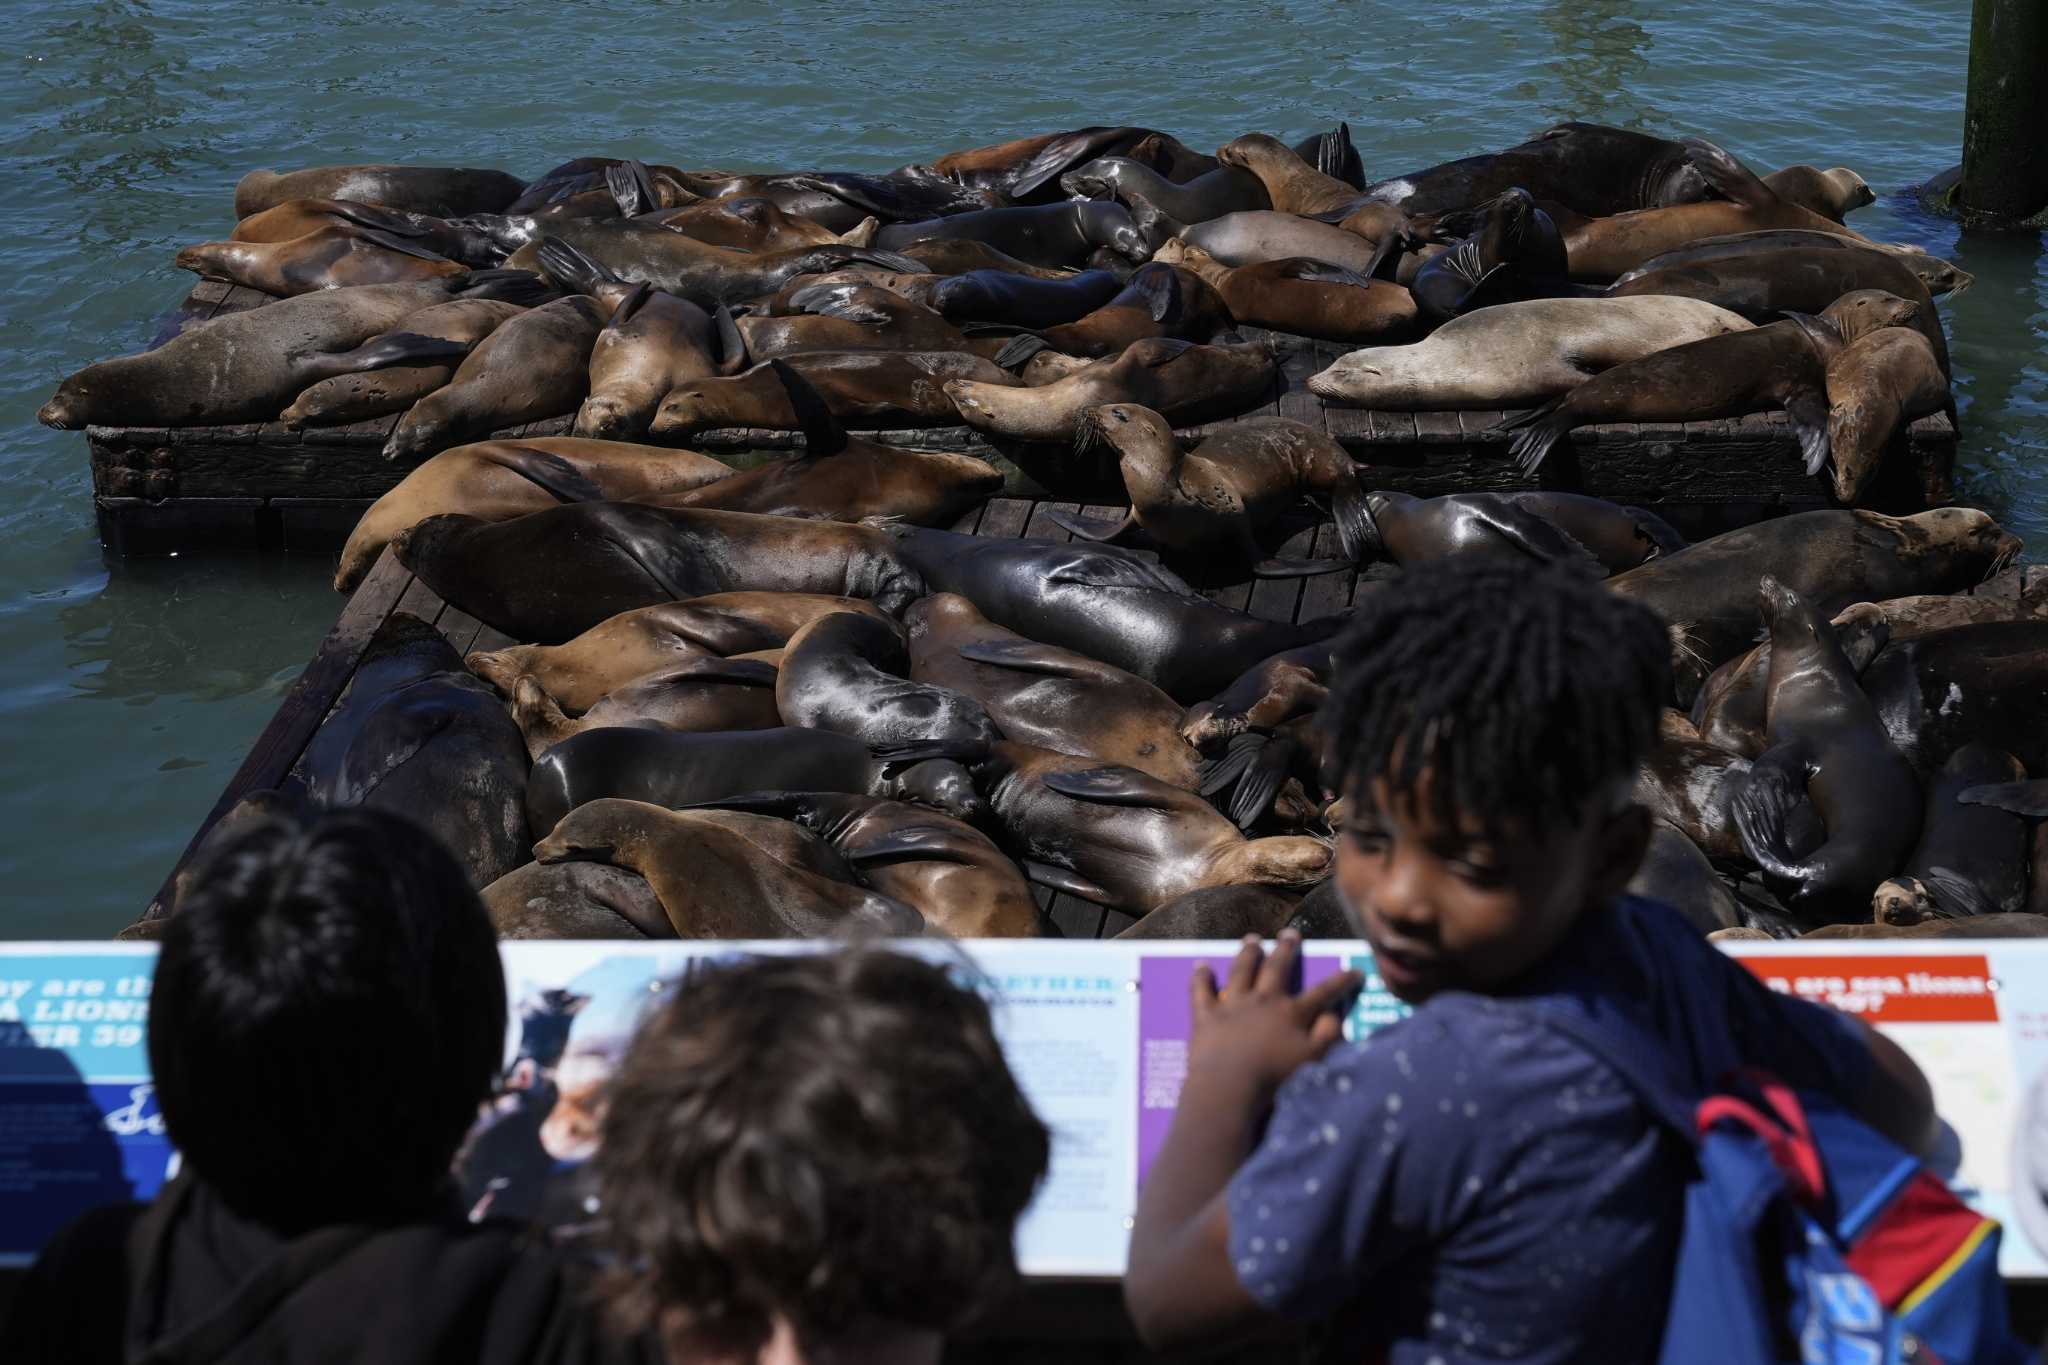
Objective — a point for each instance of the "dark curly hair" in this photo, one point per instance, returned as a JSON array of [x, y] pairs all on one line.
[[827, 1138], [1522, 690], [327, 1014]]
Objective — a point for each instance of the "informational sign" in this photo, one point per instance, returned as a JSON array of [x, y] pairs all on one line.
[[1096, 1033]]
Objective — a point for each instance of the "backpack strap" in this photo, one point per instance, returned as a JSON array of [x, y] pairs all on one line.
[[1633, 1052]]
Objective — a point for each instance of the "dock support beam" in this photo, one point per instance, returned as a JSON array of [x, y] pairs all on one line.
[[2005, 114]]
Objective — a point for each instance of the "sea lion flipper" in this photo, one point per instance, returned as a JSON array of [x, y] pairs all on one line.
[[823, 435], [1217, 774], [1018, 352], [1161, 291], [1026, 656], [555, 476], [631, 186], [630, 305], [1542, 539], [1808, 413], [1107, 786], [915, 841], [2020, 798], [1955, 896], [391, 241], [1262, 781], [1541, 429], [841, 301], [1298, 568], [1322, 272], [732, 343], [1728, 176], [1090, 529], [407, 348], [1763, 805], [1060, 879], [571, 267]]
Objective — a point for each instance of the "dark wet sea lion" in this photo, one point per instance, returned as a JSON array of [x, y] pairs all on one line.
[[1272, 692], [861, 388], [747, 223], [850, 674], [1106, 603], [1024, 167], [500, 480], [533, 366], [417, 735], [1541, 524], [1024, 300], [958, 256], [1045, 695], [673, 769], [1732, 709], [839, 200], [700, 695], [1825, 744], [1226, 189], [574, 900], [1215, 502], [1985, 683], [1832, 194], [401, 366], [1675, 872], [1158, 300], [1181, 380], [582, 173], [706, 275], [457, 240], [1876, 386], [1248, 238], [853, 317], [1302, 296], [1514, 253], [1834, 557], [652, 342], [1219, 912], [1117, 837], [728, 875], [1593, 168], [553, 574], [1940, 276], [1690, 784], [634, 644], [331, 257], [1972, 858], [1061, 234], [1514, 354], [443, 191], [246, 367], [947, 871]]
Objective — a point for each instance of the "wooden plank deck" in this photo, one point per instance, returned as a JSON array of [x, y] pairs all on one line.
[[259, 485], [390, 588]]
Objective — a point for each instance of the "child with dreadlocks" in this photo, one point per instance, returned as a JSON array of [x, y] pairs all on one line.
[[1468, 1184]]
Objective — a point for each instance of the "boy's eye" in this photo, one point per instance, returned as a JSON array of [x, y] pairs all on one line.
[[1478, 874], [1367, 840]]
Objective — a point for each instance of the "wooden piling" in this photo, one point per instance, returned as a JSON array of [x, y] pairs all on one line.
[[2005, 114]]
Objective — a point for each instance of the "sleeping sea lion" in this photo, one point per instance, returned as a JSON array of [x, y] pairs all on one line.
[[1831, 194], [1227, 189], [853, 317], [1307, 298], [698, 695], [1292, 185], [997, 296], [850, 674], [652, 342], [862, 388], [458, 241], [1045, 695], [1063, 234], [1972, 858], [728, 875], [1249, 237], [1017, 170], [1184, 382], [331, 257], [533, 366], [706, 275], [401, 366], [1158, 301], [1876, 385], [1592, 168], [1985, 683], [574, 900], [751, 223], [1940, 276], [1571, 528], [442, 191], [1114, 836]]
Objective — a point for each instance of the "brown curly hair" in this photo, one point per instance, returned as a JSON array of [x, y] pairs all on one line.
[[828, 1138]]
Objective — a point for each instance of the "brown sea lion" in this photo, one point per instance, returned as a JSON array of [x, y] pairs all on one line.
[[751, 223], [861, 388], [401, 366], [1732, 708], [331, 257], [1218, 500], [1219, 912], [1690, 785], [1940, 276], [575, 900], [958, 256], [1022, 167], [1227, 189], [245, 367], [443, 191], [1825, 744], [1305, 297], [1274, 691], [499, 480], [533, 366], [1876, 385], [616, 652], [1181, 380], [701, 695], [1975, 926], [729, 875], [1571, 528], [1114, 836], [1292, 185], [1675, 872], [854, 317], [706, 275], [651, 343], [1061, 234], [1247, 238], [1159, 300], [947, 871], [1048, 696], [458, 241], [849, 674], [1831, 194], [1973, 856]]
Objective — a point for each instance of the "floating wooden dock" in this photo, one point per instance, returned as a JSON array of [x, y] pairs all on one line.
[[262, 485]]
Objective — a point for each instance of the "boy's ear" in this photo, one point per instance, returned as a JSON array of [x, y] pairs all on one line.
[[1624, 839]]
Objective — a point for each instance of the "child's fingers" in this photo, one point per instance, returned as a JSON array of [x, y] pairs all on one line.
[[1324, 1033], [1278, 969], [1201, 989], [1244, 968], [1319, 998]]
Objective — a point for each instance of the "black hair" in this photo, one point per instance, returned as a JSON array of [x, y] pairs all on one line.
[[832, 1139], [328, 1013], [1521, 690]]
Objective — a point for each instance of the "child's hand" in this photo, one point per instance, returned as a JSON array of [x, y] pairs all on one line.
[[1255, 1029]]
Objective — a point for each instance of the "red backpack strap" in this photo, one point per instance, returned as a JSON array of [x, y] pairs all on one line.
[[1784, 1131]]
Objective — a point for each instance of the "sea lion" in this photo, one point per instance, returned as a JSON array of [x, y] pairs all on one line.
[[673, 769], [1114, 836], [1675, 872], [574, 900], [1227, 189], [1826, 744], [1271, 693], [853, 317], [1181, 380], [1594, 169], [1974, 926], [645, 253], [949, 872], [1876, 385], [1690, 784], [1023, 300], [1831, 194], [1732, 708], [752, 223], [245, 367], [1985, 683], [1291, 184], [417, 735], [458, 241], [1513, 253], [839, 200], [728, 875], [1779, 365], [1216, 501], [555, 573], [1022, 167], [1972, 858], [850, 674], [330, 257], [533, 366], [441, 191], [1517, 353], [699, 695], [1106, 603], [1940, 276], [500, 480], [1832, 557], [959, 255], [861, 388], [1250, 237], [401, 366], [1045, 695], [652, 342], [1570, 528], [1305, 297], [635, 644], [1219, 912], [1159, 300], [1062, 234]]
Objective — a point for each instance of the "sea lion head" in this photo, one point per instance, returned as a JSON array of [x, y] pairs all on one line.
[[690, 408], [70, 407], [1241, 151], [1139, 435], [1862, 311], [1092, 181], [427, 540], [940, 783], [1970, 536], [1853, 190], [1790, 616], [604, 419], [593, 831], [1902, 901], [1210, 723], [1940, 276]]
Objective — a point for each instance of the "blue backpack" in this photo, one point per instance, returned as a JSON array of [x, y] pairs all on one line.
[[1807, 1236]]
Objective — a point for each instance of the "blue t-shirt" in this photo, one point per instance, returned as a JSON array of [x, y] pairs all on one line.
[[1469, 1185]]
